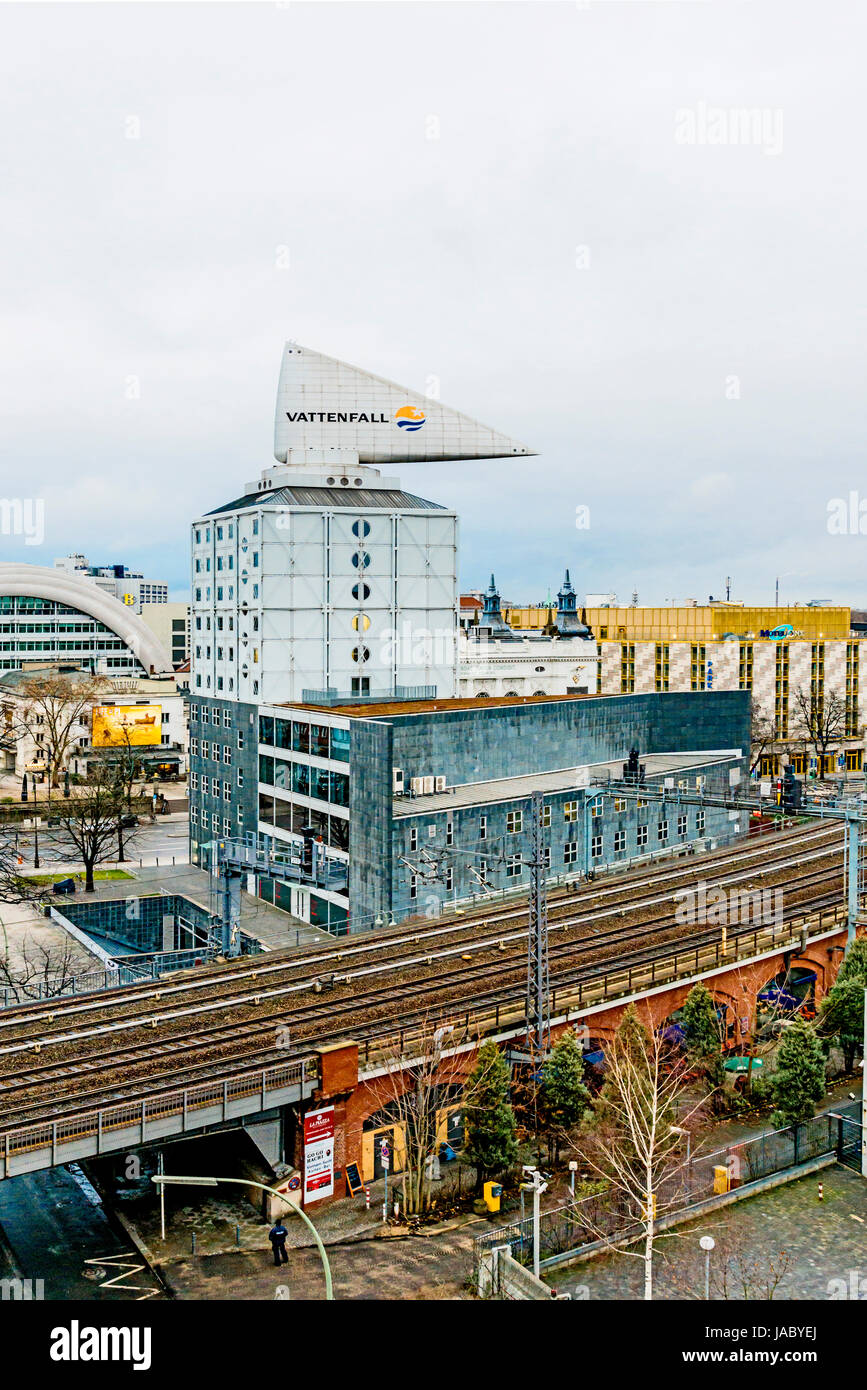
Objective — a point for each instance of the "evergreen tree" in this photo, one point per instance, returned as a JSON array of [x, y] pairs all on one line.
[[854, 964], [491, 1142], [702, 1036], [799, 1081], [842, 1016], [565, 1098]]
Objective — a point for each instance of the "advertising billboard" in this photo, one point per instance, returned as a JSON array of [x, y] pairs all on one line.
[[120, 726]]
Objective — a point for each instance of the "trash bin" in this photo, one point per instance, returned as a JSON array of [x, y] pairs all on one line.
[[493, 1192]]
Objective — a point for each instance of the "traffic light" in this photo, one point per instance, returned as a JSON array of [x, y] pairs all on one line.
[[791, 791]]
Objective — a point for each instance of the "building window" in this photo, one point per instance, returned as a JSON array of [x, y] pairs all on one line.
[[514, 822], [483, 827], [450, 833], [596, 847], [413, 837], [699, 822], [641, 836], [598, 806], [413, 886], [854, 759], [570, 852], [698, 666], [514, 865], [627, 668], [681, 827], [619, 841], [662, 666], [546, 817], [448, 878], [745, 666], [620, 803], [570, 811], [662, 832], [546, 858]]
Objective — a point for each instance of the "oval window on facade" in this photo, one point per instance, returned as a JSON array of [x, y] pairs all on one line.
[[361, 559], [361, 622], [360, 654], [361, 591], [361, 529]]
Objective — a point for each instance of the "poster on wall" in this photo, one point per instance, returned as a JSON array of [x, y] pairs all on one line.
[[319, 1154], [134, 726]]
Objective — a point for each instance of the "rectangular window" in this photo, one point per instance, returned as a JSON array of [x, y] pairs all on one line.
[[450, 833], [662, 832], [598, 806], [662, 666], [449, 878], [627, 668], [514, 865], [514, 822], [570, 811], [641, 836], [413, 886], [596, 847], [619, 841], [413, 838], [546, 858], [699, 822], [483, 827], [620, 803], [570, 852], [681, 827]]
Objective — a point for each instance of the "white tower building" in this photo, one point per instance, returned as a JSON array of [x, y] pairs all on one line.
[[325, 580]]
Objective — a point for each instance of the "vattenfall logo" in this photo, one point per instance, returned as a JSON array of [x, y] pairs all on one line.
[[409, 417]]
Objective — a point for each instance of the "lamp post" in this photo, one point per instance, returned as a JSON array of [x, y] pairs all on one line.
[[36, 841], [537, 1185], [162, 1178], [707, 1244]]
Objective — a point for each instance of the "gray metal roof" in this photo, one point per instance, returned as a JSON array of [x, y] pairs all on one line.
[[392, 499], [558, 780]]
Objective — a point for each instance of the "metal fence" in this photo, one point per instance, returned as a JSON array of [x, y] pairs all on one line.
[[611, 1215]]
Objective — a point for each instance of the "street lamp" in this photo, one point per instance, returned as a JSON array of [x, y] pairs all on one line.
[[162, 1178], [537, 1185], [707, 1244], [684, 1133]]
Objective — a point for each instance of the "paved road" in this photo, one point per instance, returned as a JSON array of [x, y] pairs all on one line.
[[422, 1267], [167, 838], [54, 1224]]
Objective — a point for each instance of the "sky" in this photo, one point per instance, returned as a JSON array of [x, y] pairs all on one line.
[[630, 235]]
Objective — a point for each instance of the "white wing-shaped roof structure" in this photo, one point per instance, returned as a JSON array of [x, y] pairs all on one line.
[[323, 404]]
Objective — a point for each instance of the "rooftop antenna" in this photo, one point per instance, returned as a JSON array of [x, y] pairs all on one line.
[[728, 588]]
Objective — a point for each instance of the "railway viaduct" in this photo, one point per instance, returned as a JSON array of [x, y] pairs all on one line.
[[135, 1068]]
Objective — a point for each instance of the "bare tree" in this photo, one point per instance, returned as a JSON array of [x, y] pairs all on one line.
[[634, 1143], [737, 1269], [412, 1089], [91, 819], [41, 970], [762, 733], [50, 705], [821, 722]]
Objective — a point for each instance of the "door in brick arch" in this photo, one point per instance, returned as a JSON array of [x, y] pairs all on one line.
[[371, 1151]]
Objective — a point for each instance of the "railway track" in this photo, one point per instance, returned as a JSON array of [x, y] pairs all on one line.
[[455, 985], [236, 984], [69, 1023]]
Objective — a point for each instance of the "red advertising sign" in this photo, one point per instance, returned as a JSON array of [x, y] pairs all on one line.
[[319, 1154]]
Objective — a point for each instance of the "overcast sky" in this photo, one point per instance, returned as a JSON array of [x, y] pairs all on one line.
[[555, 210]]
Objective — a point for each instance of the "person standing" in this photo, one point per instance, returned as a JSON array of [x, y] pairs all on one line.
[[277, 1236]]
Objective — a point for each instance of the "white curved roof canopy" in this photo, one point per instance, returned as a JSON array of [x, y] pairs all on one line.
[[36, 581]]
